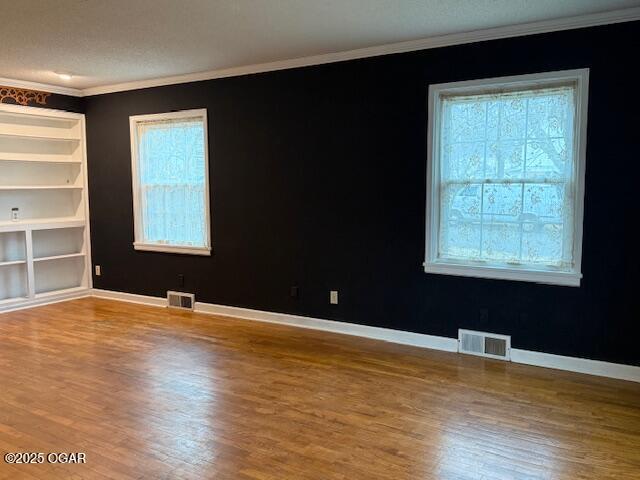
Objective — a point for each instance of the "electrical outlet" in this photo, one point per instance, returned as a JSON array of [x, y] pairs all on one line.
[[483, 317], [294, 292], [180, 280], [333, 297], [98, 270]]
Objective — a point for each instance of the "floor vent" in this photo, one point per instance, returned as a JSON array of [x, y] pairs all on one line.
[[185, 301], [484, 344]]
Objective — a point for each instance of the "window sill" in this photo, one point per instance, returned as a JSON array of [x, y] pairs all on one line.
[[154, 247], [570, 279]]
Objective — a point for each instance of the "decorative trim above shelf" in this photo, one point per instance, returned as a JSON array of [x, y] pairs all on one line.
[[23, 96]]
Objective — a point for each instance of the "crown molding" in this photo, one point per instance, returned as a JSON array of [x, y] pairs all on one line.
[[569, 23], [41, 87], [519, 30]]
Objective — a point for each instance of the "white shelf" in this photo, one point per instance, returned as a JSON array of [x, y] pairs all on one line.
[[59, 257], [41, 224], [57, 276], [38, 158], [12, 262], [64, 291], [40, 187], [7, 301], [58, 117], [14, 281], [38, 133]]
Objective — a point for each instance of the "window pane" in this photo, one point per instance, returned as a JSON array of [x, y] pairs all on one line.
[[171, 163], [506, 177]]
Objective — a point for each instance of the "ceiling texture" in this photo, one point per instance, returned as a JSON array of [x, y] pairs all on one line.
[[105, 42]]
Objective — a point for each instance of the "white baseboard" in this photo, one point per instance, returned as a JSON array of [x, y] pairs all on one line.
[[389, 335], [395, 336], [47, 300], [527, 357], [574, 364], [129, 297]]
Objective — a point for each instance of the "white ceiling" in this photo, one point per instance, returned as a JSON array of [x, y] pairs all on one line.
[[103, 42]]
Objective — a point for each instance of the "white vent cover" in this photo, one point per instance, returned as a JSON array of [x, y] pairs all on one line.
[[484, 344], [181, 300]]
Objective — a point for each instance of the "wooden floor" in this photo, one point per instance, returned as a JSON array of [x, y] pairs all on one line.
[[149, 393]]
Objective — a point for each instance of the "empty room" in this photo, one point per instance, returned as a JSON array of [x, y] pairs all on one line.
[[319, 240]]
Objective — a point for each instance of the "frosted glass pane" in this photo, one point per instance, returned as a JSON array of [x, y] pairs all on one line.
[[172, 174], [507, 177]]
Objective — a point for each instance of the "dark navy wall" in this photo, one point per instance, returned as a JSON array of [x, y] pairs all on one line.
[[65, 102], [318, 181]]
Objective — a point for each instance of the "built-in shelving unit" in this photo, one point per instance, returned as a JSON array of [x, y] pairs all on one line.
[[45, 254]]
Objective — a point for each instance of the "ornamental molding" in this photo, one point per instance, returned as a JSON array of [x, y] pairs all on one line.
[[23, 96]]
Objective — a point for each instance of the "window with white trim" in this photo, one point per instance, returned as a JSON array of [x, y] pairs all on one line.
[[169, 155], [506, 177]]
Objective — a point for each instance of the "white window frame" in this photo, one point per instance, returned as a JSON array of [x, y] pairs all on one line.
[[432, 263], [139, 243]]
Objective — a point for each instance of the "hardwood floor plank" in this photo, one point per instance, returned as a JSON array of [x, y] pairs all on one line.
[[151, 393]]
